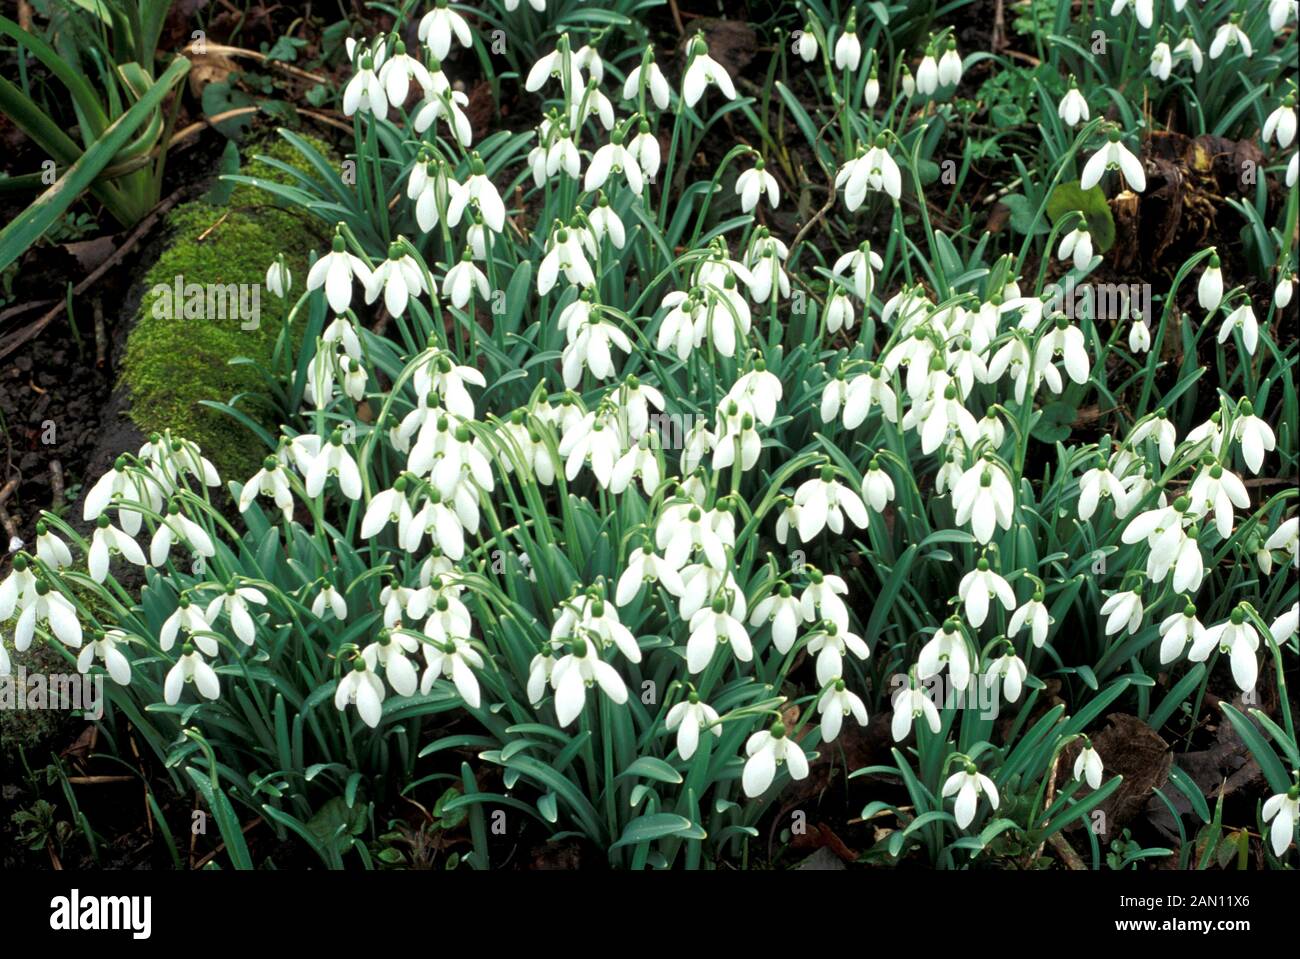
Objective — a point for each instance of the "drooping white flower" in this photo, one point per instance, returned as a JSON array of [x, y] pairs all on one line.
[[947, 647], [190, 667], [1286, 537], [1088, 765], [440, 25], [54, 610], [980, 585], [1010, 671], [109, 541], [278, 279], [1236, 638], [1123, 611], [1283, 810], [481, 191], [51, 550], [1229, 36], [235, 601], [331, 599], [104, 648], [1114, 156], [950, 65], [824, 502], [1281, 123], [714, 626], [911, 703], [1177, 630], [688, 718], [1035, 614], [1255, 436], [1078, 242], [361, 687], [836, 702], [968, 785], [578, 670], [335, 271], [752, 184], [334, 460], [767, 749], [1073, 108], [806, 45], [703, 71], [848, 48], [1142, 9], [984, 498], [654, 81]]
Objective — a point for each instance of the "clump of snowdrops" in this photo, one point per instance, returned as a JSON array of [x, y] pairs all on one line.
[[648, 505]]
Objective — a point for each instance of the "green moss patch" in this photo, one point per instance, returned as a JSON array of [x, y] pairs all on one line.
[[221, 254]]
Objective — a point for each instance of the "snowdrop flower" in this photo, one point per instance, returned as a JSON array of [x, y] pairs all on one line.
[[639, 461], [1209, 289], [824, 502], [591, 440], [334, 460], [109, 541], [689, 717], [463, 280], [806, 45], [947, 647], [1187, 47], [454, 658], [784, 612], [1079, 243], [830, 646], [968, 786], [1162, 61], [859, 264], [190, 667], [945, 417], [950, 65], [1230, 35], [177, 526], [1034, 613], [335, 272], [1281, 123], [1177, 630], [278, 278], [104, 648], [1255, 436], [927, 75], [1114, 156], [1067, 342], [1238, 639], [1097, 483], [910, 704], [1139, 336], [1142, 9], [877, 486], [839, 314], [361, 687], [874, 170], [398, 277], [439, 26], [768, 749], [564, 256], [18, 589], [1073, 108], [985, 499], [365, 91], [444, 103], [331, 599], [1286, 538], [1242, 319], [644, 148], [606, 223], [848, 49], [483, 193], [976, 589], [575, 672], [1280, 11], [1286, 625], [50, 550], [1284, 290], [1124, 612], [654, 82], [1221, 489], [1283, 809], [1088, 765], [702, 71], [752, 184], [51, 608], [711, 627], [397, 72], [871, 95], [589, 348], [1293, 170], [836, 702], [643, 568], [235, 600], [1009, 670]]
